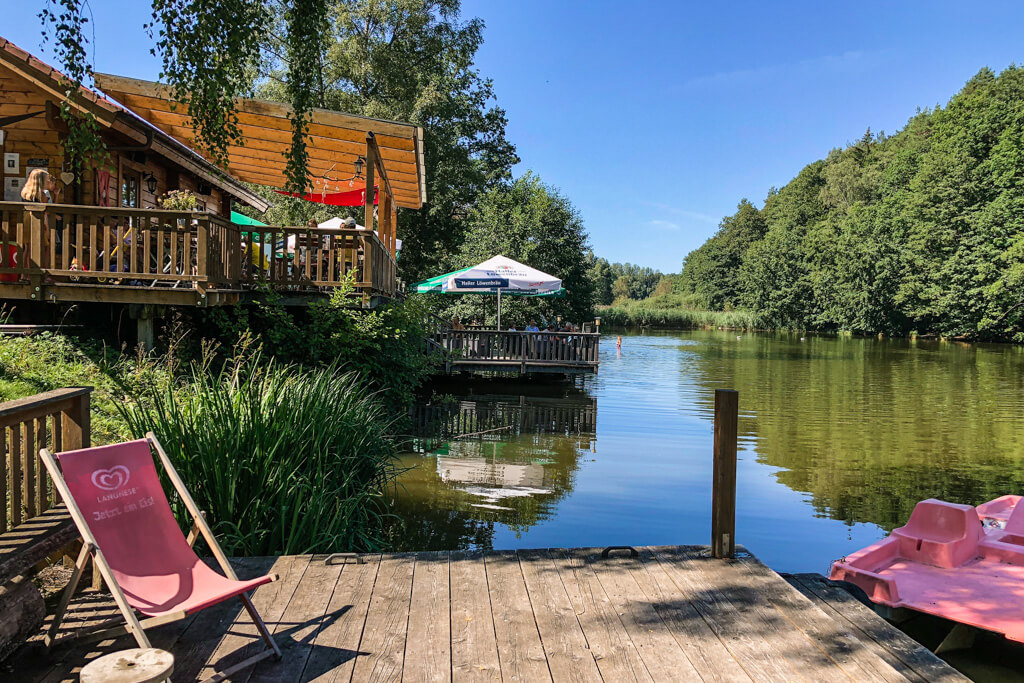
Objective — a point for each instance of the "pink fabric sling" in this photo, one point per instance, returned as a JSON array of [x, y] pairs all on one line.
[[119, 493]]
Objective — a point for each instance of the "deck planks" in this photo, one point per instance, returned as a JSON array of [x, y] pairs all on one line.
[[428, 649], [899, 650], [336, 645], [520, 651], [670, 614], [617, 657], [474, 645], [386, 622]]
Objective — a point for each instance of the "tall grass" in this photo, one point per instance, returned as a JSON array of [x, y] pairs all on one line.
[[656, 314], [283, 460]]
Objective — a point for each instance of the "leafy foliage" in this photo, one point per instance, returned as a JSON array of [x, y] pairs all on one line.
[[282, 460], [918, 231], [412, 60], [304, 19], [209, 48], [530, 222], [614, 281], [67, 20], [384, 345]]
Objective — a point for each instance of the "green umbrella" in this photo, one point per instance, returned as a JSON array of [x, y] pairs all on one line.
[[242, 219], [434, 284]]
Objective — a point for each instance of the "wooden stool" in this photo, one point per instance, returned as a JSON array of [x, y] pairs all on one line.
[[138, 665]]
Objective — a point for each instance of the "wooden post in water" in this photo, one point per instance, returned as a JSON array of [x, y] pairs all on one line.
[[723, 491]]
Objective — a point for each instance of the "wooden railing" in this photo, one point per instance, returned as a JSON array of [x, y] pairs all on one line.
[[58, 420], [120, 246], [310, 257], [553, 348]]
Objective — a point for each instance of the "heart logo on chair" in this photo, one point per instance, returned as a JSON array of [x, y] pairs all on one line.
[[110, 480]]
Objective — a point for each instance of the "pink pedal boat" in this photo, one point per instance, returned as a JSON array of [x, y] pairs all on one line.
[[945, 562]]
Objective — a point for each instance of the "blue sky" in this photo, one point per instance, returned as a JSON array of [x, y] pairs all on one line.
[[655, 119]]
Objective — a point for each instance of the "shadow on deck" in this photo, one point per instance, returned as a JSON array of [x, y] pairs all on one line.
[[672, 613]]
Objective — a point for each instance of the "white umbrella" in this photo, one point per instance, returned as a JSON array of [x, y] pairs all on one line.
[[501, 274], [336, 224]]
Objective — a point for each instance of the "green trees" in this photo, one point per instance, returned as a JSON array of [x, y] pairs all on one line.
[[711, 270], [530, 222], [921, 230], [621, 280], [412, 60]]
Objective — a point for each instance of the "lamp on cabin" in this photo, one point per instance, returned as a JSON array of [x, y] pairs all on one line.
[[360, 161], [150, 182]]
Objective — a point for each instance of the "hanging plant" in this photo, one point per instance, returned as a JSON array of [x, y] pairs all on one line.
[[209, 50], [305, 20], [66, 20]]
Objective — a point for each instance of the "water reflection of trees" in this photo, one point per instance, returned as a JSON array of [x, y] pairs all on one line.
[[487, 455], [869, 427]]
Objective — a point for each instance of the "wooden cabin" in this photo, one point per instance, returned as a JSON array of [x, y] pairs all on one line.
[[104, 238]]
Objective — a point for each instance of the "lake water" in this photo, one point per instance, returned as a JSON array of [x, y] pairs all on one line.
[[839, 438]]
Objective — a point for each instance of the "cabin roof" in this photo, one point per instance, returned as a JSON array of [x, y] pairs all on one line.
[[114, 116], [335, 140]]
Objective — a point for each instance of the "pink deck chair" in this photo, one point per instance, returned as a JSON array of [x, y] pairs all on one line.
[[115, 497]]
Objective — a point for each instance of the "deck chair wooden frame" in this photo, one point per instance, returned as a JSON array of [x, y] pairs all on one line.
[[132, 624]]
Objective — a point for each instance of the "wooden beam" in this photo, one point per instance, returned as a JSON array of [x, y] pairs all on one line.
[[371, 167], [371, 141], [421, 167], [144, 105], [723, 488], [111, 83], [48, 80]]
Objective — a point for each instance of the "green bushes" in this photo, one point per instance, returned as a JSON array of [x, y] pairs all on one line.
[[384, 345], [283, 460]]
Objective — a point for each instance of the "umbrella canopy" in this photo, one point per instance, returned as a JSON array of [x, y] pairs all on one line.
[[337, 223], [242, 219], [498, 275], [434, 284], [502, 274]]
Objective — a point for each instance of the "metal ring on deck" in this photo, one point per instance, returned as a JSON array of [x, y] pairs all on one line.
[[339, 558], [631, 549]]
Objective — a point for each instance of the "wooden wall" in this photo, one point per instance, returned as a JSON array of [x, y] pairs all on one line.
[[35, 138]]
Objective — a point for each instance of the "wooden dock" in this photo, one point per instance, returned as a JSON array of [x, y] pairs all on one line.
[[519, 352], [672, 613]]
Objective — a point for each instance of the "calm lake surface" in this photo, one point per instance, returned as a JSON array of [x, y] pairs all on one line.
[[839, 438]]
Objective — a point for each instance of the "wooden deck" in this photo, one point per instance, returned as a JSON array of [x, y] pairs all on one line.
[[72, 253], [673, 613], [503, 351]]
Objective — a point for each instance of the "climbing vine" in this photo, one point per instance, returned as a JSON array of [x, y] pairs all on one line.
[[305, 20], [210, 52], [66, 20]]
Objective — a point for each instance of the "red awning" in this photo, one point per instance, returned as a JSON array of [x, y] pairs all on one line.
[[350, 198]]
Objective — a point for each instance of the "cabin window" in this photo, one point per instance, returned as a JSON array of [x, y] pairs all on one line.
[[131, 195]]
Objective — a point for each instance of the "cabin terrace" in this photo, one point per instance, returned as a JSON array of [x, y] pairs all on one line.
[[102, 237]]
